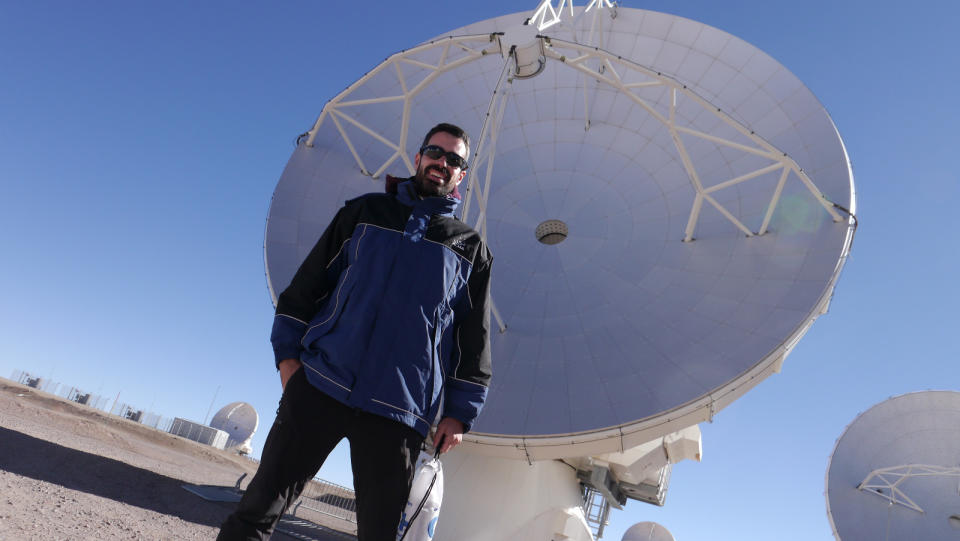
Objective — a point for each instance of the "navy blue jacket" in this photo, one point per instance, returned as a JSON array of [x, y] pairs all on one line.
[[390, 310]]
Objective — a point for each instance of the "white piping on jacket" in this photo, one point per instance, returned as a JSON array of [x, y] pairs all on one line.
[[338, 252], [332, 312], [291, 317], [319, 373], [399, 409]]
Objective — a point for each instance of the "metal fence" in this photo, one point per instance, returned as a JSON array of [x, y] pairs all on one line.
[[35, 382], [157, 421], [188, 429], [73, 394], [137, 415], [328, 499], [80, 396], [128, 412]]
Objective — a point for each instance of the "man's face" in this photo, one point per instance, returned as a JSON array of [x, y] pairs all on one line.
[[437, 177]]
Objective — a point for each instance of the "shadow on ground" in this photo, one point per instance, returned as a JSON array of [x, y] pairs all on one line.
[[42, 460]]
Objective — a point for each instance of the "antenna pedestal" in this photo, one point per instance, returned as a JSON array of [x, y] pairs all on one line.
[[498, 499], [490, 498]]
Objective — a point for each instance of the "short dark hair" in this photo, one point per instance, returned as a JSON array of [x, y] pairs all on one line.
[[455, 131]]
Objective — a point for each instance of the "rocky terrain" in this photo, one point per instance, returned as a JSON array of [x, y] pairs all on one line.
[[70, 472]]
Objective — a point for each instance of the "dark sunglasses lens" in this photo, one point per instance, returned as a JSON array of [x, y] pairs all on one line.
[[435, 153], [455, 160]]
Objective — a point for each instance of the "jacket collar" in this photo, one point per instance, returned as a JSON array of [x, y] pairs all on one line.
[[443, 206]]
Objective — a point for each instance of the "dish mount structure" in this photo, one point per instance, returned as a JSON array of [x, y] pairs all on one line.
[[669, 210]]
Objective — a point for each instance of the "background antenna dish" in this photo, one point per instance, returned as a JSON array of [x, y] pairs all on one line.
[[895, 470], [647, 531], [239, 420], [695, 176]]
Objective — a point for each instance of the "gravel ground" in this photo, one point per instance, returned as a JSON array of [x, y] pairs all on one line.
[[70, 472]]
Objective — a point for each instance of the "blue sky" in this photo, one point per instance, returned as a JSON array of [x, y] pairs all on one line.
[[140, 144]]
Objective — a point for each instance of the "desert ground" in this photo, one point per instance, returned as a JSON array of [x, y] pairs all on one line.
[[71, 472]]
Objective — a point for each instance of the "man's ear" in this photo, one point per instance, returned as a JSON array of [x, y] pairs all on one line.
[[416, 162], [460, 177]]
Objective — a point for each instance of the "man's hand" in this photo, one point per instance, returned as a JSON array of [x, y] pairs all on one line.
[[449, 433], [287, 368]]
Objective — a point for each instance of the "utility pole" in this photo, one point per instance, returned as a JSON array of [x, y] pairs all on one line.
[[211, 405]]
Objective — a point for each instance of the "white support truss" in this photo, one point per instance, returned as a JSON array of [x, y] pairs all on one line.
[[484, 161], [577, 56], [599, 4], [887, 482], [546, 16], [597, 67], [583, 58], [338, 108], [597, 34]]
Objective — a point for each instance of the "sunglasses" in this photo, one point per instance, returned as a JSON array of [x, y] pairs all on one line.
[[435, 153]]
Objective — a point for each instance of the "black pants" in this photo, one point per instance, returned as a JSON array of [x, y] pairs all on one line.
[[308, 426]]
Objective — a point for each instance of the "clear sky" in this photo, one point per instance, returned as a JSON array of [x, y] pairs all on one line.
[[140, 144]]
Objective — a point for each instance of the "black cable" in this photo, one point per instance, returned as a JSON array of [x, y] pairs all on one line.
[[856, 223], [847, 211]]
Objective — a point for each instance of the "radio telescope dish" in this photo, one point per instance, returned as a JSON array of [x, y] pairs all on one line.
[[647, 531], [239, 420], [895, 470], [695, 196]]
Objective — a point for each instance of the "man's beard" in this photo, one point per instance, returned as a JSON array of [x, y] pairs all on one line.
[[427, 188]]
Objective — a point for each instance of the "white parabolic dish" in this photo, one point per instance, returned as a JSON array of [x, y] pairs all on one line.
[[647, 531], [905, 452], [239, 420], [696, 179]]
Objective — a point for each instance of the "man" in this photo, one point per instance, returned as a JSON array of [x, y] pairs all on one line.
[[383, 328]]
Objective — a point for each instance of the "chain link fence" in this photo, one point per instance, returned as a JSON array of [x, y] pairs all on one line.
[[78, 395], [34, 382]]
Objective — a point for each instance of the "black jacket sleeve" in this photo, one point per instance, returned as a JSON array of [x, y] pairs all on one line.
[[466, 385], [313, 281]]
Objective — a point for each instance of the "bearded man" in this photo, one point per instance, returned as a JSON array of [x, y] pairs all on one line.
[[383, 329]]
